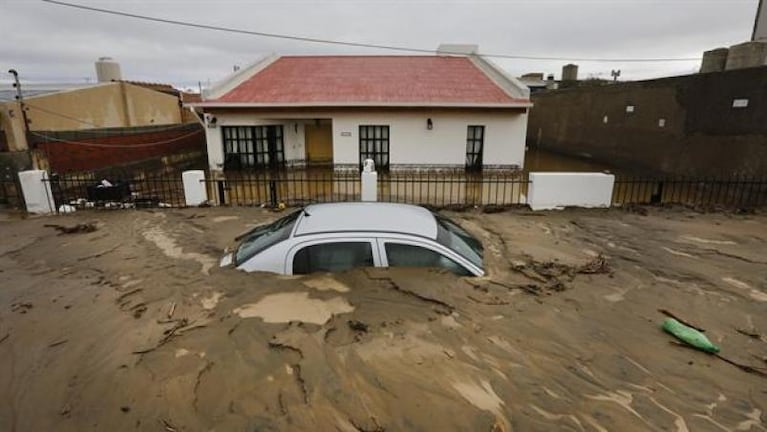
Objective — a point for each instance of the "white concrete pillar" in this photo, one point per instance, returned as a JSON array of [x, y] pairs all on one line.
[[369, 181], [195, 189], [37, 191]]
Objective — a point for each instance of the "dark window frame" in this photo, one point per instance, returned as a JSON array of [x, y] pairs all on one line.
[[375, 143], [441, 261], [248, 147], [301, 263], [475, 146]]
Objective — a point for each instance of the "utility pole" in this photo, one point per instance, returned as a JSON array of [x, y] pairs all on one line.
[[20, 98]]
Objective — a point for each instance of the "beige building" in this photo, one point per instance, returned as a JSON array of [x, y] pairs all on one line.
[[104, 105]]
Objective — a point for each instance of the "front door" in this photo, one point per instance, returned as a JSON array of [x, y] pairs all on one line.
[[319, 143]]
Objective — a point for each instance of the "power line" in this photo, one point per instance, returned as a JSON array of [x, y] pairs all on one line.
[[132, 146], [353, 44]]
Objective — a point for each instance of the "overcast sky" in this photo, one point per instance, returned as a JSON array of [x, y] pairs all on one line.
[[47, 42]]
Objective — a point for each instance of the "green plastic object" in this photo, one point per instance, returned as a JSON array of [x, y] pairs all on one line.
[[689, 335]]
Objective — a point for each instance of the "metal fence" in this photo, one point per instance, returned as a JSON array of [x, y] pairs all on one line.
[[88, 190], [10, 191], [301, 187], [455, 189], [730, 192], [288, 187]]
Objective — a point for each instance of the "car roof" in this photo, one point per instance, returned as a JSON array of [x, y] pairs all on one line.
[[367, 216]]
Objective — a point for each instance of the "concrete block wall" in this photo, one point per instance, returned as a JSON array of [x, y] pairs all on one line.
[[556, 190]]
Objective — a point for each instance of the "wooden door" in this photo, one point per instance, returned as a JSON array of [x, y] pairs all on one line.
[[319, 143]]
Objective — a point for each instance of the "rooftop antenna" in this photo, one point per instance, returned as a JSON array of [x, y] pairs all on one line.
[[615, 74]]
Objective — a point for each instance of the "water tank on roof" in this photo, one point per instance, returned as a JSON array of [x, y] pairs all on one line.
[[570, 72], [107, 69]]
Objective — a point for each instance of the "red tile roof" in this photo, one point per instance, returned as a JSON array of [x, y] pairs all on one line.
[[387, 80]]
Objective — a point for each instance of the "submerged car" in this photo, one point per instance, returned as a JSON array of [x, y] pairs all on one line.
[[341, 236]]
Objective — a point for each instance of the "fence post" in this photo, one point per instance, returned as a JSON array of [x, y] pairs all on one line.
[[369, 181], [273, 193], [195, 189], [36, 188]]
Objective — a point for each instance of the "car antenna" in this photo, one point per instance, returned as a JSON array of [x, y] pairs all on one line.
[[306, 213]]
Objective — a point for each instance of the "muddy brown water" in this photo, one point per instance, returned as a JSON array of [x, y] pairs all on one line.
[[133, 327]]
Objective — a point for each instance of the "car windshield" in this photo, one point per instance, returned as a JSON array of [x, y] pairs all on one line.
[[264, 237], [451, 235]]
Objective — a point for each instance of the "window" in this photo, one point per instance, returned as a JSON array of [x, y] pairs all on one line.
[[332, 257], [455, 238], [374, 144], [264, 237], [404, 255], [475, 138], [253, 147]]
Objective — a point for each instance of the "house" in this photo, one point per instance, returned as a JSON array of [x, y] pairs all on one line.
[[89, 126], [456, 111]]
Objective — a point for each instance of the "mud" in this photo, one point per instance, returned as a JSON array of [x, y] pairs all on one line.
[[134, 327]]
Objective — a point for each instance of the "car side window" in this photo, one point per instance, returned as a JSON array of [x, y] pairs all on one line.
[[405, 255], [332, 257]]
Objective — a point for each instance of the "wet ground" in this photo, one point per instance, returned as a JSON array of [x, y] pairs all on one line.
[[134, 327]]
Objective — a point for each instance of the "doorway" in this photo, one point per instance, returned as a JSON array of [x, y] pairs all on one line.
[[319, 143]]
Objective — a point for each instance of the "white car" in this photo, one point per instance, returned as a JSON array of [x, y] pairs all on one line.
[[340, 236]]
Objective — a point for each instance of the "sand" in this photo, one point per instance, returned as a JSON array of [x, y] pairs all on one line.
[[134, 327]]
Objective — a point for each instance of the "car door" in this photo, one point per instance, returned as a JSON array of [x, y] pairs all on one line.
[[413, 253], [332, 255]]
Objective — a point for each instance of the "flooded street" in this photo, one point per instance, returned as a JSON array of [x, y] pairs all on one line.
[[547, 161], [134, 327]]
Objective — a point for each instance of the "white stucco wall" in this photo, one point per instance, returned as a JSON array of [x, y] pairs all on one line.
[[557, 190], [445, 144], [410, 141]]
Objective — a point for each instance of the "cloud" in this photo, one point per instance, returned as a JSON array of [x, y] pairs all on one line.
[[54, 43]]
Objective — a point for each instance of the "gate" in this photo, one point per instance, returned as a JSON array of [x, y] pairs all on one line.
[[10, 190]]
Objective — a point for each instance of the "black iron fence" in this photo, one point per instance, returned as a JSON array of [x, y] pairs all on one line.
[[454, 189], [730, 192], [301, 187], [88, 190], [10, 191], [290, 188]]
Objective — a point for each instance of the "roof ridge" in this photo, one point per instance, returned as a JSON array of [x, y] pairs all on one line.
[[435, 55]]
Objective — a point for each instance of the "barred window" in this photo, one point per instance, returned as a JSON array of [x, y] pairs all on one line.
[[475, 138], [374, 144], [253, 147]]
